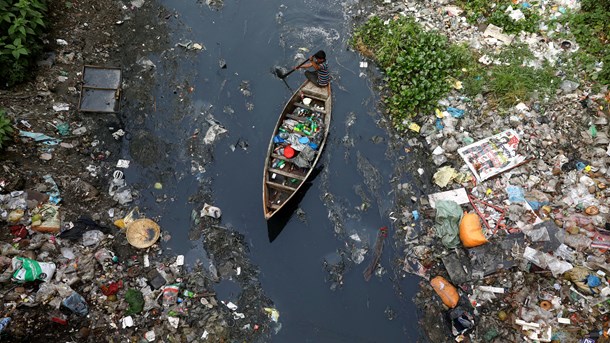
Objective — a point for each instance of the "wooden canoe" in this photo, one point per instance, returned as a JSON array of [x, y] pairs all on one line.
[[295, 147]]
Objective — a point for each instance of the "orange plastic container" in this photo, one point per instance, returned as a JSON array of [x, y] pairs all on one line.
[[471, 232], [448, 293]]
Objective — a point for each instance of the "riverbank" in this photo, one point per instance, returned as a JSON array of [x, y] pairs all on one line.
[[532, 168], [67, 165], [84, 162]]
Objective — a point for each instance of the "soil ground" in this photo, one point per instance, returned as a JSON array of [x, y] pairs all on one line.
[[102, 33]]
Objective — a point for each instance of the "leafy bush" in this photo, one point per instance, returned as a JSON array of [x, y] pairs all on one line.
[[21, 26], [6, 129], [417, 64]]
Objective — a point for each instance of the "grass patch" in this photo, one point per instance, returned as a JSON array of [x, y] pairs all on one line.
[[418, 65], [591, 29], [511, 84], [476, 10], [494, 12], [530, 22]]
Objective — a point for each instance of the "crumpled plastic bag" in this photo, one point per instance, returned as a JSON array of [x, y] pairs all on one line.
[[547, 261], [515, 194], [444, 176], [584, 279], [448, 215]]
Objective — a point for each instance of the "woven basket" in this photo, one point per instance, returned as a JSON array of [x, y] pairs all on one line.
[[142, 233]]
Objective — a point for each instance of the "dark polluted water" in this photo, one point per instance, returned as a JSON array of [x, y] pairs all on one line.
[[311, 258]]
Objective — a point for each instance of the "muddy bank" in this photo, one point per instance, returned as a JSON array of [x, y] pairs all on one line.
[[69, 167]]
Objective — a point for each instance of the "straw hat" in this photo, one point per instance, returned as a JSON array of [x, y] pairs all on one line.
[[142, 233]]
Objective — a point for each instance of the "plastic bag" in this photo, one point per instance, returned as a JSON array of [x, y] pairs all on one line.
[[92, 237], [446, 291], [76, 303], [211, 211], [471, 232], [448, 214], [30, 270], [135, 299], [444, 176]]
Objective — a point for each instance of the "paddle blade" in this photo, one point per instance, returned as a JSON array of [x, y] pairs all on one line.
[[280, 72]]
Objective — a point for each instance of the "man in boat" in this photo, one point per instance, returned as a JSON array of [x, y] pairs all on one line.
[[319, 75]]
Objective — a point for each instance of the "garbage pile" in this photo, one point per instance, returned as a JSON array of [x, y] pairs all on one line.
[[518, 229], [511, 238], [300, 134], [113, 281]]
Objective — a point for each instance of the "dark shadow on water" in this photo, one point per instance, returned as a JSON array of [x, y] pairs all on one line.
[[276, 224]]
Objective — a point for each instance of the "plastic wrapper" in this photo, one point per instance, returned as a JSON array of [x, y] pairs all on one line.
[[26, 270], [76, 303], [448, 215]]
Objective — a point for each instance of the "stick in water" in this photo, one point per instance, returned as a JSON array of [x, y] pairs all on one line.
[[381, 235]]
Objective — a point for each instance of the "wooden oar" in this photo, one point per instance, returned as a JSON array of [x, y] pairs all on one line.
[[283, 76]]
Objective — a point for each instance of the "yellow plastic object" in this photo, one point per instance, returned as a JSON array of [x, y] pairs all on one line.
[[414, 127], [120, 223], [446, 291], [143, 233], [471, 232]]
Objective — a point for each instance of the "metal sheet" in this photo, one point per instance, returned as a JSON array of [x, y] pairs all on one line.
[[98, 100], [95, 77], [100, 91]]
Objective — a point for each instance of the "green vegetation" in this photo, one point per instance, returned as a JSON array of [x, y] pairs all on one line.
[[510, 84], [511, 81], [21, 26], [591, 28], [501, 18], [476, 10], [418, 65], [6, 129], [494, 11]]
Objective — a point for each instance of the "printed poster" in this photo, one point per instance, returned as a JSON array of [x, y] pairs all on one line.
[[493, 155]]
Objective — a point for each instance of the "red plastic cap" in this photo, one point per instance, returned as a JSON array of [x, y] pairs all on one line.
[[288, 152]]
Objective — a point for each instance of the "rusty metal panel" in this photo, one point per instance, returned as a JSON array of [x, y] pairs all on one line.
[[100, 90]]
